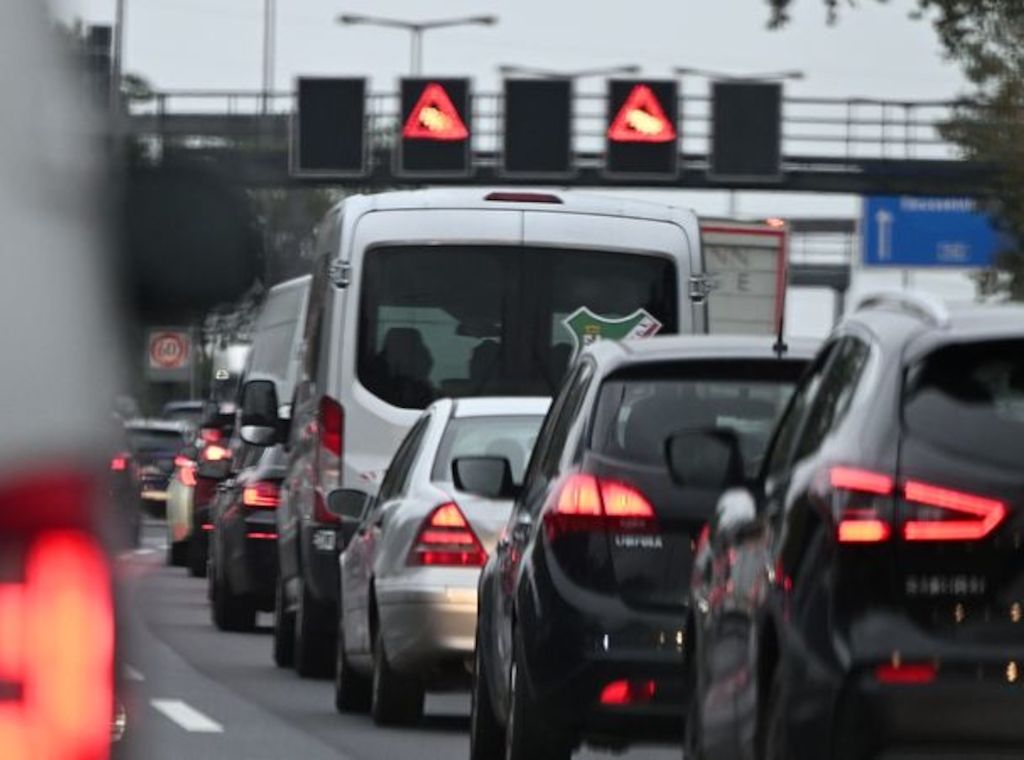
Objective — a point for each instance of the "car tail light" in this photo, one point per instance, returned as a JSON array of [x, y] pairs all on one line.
[[446, 539], [261, 495], [57, 651], [210, 435], [941, 514], [585, 503], [331, 431], [119, 462], [622, 693], [213, 452], [862, 501], [906, 673], [864, 504], [186, 471]]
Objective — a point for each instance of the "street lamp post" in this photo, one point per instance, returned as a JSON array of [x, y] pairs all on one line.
[[416, 30]]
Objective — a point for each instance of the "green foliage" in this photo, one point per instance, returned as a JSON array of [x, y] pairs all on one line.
[[986, 39]]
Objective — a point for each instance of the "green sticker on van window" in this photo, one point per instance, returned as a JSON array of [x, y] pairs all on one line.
[[586, 327]]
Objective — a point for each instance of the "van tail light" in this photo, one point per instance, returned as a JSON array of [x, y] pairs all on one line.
[[332, 425], [941, 514], [119, 462], [624, 693], [864, 504], [57, 649], [447, 540], [906, 674], [585, 503], [210, 435], [261, 495]]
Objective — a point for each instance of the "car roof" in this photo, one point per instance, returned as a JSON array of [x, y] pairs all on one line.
[[500, 406], [173, 406], [156, 425], [572, 202], [614, 354]]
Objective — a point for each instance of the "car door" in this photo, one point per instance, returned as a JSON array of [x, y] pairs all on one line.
[[542, 472], [357, 561]]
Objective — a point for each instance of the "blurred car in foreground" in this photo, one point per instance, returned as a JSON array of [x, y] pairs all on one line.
[[865, 600], [409, 576], [154, 444], [584, 624]]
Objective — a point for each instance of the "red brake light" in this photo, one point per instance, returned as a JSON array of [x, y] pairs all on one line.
[[864, 530], [332, 425], [213, 452], [587, 503], [446, 539], [261, 495], [57, 647], [979, 515], [619, 693], [186, 471], [862, 481], [210, 435], [119, 462], [906, 674], [520, 197]]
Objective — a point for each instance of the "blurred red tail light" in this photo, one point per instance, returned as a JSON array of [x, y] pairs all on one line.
[[622, 693], [119, 462], [587, 503], [186, 471], [57, 651], [213, 452], [332, 425], [261, 495], [210, 435], [906, 674], [446, 539]]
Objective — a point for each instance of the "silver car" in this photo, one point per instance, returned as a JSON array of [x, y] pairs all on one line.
[[409, 574]]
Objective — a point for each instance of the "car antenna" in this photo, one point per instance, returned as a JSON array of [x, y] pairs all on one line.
[[780, 347]]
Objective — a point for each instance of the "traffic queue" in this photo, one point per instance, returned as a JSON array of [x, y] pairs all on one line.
[[497, 442]]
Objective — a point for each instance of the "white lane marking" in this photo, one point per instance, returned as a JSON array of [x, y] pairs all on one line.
[[132, 674], [186, 716]]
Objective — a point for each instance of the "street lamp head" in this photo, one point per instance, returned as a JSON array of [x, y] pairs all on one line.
[[484, 20], [350, 18]]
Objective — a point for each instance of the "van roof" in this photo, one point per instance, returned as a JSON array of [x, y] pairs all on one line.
[[476, 198]]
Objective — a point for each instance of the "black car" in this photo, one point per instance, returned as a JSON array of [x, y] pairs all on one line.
[[153, 445], [865, 600], [242, 568], [583, 631]]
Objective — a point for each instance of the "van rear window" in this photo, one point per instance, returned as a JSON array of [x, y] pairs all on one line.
[[453, 321], [969, 399]]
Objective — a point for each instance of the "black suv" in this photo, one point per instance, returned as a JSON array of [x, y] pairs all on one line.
[[582, 630], [866, 599]]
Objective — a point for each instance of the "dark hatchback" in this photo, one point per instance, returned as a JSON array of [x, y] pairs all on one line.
[[872, 604], [583, 630], [243, 543]]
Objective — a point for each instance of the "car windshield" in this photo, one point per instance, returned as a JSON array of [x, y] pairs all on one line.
[[505, 436], [976, 389], [468, 321], [637, 415]]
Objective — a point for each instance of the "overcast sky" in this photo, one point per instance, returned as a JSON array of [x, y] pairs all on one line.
[[876, 50]]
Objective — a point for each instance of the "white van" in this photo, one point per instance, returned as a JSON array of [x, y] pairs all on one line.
[[452, 293]]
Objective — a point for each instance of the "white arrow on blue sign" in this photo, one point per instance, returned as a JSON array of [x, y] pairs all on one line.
[[912, 231]]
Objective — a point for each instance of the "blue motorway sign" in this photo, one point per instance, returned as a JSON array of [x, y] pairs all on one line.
[[912, 231]]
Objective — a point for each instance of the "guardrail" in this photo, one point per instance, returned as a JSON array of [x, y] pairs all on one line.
[[827, 128]]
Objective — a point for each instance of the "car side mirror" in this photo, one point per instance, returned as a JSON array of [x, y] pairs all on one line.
[[735, 514], [489, 477], [260, 422], [707, 459], [350, 507]]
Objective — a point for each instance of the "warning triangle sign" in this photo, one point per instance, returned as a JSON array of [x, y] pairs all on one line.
[[642, 119], [435, 117]]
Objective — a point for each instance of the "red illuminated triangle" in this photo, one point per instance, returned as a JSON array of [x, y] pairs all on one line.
[[642, 119], [435, 118]]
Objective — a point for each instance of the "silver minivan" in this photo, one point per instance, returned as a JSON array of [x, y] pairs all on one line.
[[452, 293]]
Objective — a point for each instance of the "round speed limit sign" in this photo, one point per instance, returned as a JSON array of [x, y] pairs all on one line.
[[168, 350]]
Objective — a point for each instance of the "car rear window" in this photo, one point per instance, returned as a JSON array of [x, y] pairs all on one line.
[[969, 399], [637, 413], [155, 440], [498, 320], [509, 437]]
